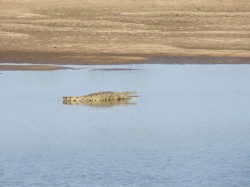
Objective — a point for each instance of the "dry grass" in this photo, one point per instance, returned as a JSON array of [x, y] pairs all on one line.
[[97, 31]]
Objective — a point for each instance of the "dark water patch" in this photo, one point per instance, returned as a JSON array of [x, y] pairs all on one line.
[[115, 69]]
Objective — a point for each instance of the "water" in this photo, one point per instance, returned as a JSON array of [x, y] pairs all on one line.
[[190, 127]]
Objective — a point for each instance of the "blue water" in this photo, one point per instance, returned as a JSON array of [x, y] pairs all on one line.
[[190, 127]]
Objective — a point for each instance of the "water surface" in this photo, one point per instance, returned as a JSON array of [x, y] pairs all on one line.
[[190, 127]]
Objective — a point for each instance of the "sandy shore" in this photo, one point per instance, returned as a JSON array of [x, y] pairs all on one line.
[[30, 67], [120, 32]]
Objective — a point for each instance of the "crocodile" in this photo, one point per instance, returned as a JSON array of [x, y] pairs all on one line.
[[100, 98]]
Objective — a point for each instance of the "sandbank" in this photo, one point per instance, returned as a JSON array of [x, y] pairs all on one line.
[[122, 32]]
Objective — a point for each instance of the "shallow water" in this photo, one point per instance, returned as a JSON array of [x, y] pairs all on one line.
[[190, 127]]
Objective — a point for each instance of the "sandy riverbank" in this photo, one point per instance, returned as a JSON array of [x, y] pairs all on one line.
[[120, 32], [30, 67]]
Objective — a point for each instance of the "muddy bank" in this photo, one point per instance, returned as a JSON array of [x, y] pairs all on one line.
[[30, 68], [39, 57]]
